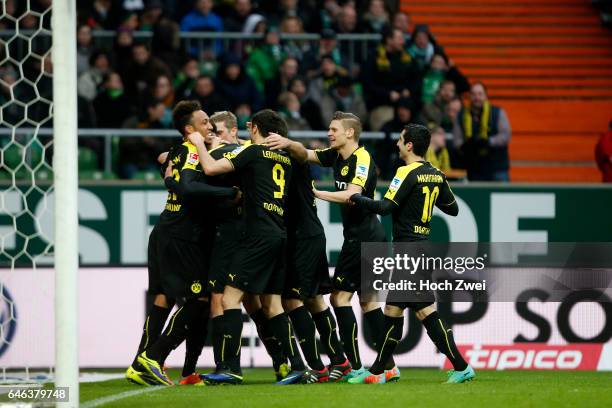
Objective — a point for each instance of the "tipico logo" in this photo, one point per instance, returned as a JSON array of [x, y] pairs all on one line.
[[8, 319]]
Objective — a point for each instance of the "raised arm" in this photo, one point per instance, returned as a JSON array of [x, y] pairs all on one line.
[[340, 197], [296, 149], [189, 187], [381, 207], [210, 166]]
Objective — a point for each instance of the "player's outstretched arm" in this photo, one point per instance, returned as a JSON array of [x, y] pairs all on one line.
[[210, 166], [296, 149], [189, 187], [446, 202], [381, 207], [340, 197]]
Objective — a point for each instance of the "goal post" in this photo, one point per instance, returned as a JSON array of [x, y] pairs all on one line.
[[65, 170]]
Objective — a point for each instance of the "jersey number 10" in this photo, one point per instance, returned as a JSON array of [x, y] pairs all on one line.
[[430, 200]]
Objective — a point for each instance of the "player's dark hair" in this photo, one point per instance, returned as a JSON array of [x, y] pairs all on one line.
[[269, 121], [182, 113], [349, 121], [419, 136]]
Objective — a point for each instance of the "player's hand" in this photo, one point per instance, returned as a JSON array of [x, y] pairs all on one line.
[[196, 139], [236, 200], [168, 172], [161, 159], [276, 142], [215, 141]]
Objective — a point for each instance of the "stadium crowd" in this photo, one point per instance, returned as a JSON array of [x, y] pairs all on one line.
[[133, 82]]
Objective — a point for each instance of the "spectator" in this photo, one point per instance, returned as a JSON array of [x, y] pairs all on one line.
[[422, 49], [603, 155], [129, 21], [437, 154], [151, 15], [403, 115], [166, 43], [289, 108], [376, 17], [264, 61], [243, 114], [204, 92], [164, 92], [309, 109], [122, 52], [327, 79], [90, 80], [84, 48], [236, 86], [328, 45], [433, 78], [111, 105], [386, 151], [434, 111], [482, 132], [401, 21], [347, 20], [185, 80], [280, 83], [238, 15], [144, 69], [276, 11], [100, 15], [202, 18], [343, 96], [293, 25], [388, 76]]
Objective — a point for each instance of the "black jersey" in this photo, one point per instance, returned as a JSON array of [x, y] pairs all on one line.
[[264, 177], [225, 213], [302, 219], [180, 219], [416, 188], [359, 169]]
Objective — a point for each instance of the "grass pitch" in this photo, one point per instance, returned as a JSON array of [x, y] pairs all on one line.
[[417, 388]]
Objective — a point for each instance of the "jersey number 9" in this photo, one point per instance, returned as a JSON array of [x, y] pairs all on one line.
[[278, 175]]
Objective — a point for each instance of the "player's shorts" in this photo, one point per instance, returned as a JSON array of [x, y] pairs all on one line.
[[180, 266], [224, 248], [259, 265], [307, 269]]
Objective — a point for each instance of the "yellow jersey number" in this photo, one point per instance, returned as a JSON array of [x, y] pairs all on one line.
[[430, 200], [278, 175]]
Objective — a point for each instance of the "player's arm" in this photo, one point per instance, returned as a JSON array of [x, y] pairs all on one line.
[[446, 201], [210, 166], [189, 187], [380, 207], [341, 197], [296, 149]]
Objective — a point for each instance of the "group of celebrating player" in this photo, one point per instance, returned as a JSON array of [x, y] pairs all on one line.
[[240, 228]]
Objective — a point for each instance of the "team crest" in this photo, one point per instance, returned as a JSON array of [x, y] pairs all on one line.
[[196, 287], [344, 171]]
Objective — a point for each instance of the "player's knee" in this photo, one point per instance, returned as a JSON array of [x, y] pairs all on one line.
[[368, 306], [316, 304], [421, 314], [290, 305], [230, 302], [393, 311], [339, 299], [161, 300]]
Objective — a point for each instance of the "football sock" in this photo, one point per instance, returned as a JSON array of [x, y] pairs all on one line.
[[375, 319], [281, 327], [347, 326], [196, 337], [217, 338], [326, 326], [153, 326], [306, 333], [392, 334], [232, 339], [175, 331], [442, 337], [266, 335]]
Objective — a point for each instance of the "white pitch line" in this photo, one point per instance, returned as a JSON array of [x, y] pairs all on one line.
[[116, 397]]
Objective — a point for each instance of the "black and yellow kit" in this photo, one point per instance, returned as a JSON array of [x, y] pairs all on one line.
[[177, 250], [359, 224], [307, 268], [265, 175]]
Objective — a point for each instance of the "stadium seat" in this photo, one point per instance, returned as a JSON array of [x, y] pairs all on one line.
[[146, 175], [88, 160]]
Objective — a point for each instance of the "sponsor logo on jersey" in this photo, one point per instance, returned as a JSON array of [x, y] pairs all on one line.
[[362, 171], [395, 184], [193, 158], [532, 356]]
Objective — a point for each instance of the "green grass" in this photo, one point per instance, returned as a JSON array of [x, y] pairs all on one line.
[[417, 388]]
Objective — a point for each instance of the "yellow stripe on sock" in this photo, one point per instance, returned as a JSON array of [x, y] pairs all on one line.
[[290, 342], [446, 336], [173, 318], [385, 342], [223, 349], [354, 340], [146, 333], [330, 335]]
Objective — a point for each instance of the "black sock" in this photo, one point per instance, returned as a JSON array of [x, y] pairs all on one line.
[[375, 319], [217, 338], [153, 326], [196, 337], [442, 337], [306, 333], [326, 326], [347, 326], [175, 332], [232, 340], [266, 335], [282, 330], [392, 334]]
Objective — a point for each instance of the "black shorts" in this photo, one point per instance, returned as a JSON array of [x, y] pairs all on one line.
[[225, 247], [415, 306], [177, 268], [347, 276], [259, 265], [307, 268]]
